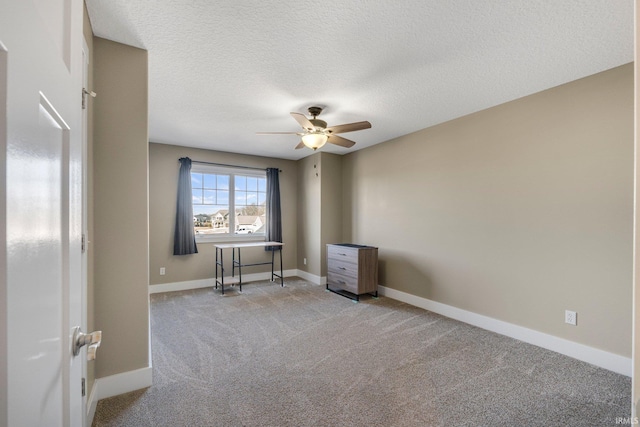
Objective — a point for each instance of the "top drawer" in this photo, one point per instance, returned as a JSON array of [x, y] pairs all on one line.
[[342, 253]]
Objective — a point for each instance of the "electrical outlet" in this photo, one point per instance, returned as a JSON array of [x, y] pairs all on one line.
[[304, 261], [571, 317], [162, 271]]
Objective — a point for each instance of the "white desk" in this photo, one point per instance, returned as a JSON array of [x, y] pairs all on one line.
[[238, 263]]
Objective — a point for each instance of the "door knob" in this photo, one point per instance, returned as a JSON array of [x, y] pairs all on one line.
[[81, 339]]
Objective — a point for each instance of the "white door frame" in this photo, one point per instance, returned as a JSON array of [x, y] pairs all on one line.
[[3, 237]]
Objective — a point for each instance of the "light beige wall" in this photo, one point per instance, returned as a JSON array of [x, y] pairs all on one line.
[[320, 216], [163, 187], [121, 224], [309, 225], [331, 204], [517, 212]]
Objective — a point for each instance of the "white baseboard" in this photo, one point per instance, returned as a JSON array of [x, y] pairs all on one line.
[[124, 382], [316, 280], [206, 283], [613, 362], [92, 403], [181, 286]]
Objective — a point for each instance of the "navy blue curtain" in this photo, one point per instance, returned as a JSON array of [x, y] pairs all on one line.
[[274, 214], [184, 238]]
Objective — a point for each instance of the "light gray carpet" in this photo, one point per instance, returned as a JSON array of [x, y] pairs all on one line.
[[302, 356]]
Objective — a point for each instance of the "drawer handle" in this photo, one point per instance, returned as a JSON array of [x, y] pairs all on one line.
[[342, 282], [343, 254], [342, 268]]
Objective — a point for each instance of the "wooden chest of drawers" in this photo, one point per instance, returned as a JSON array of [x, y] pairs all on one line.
[[352, 268]]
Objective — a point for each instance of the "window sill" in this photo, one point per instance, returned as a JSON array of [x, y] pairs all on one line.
[[230, 238]]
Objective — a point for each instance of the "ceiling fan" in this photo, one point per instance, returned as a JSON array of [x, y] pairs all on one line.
[[316, 133]]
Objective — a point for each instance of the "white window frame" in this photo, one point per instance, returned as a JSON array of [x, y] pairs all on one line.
[[232, 172]]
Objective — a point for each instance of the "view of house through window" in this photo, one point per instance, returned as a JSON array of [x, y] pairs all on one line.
[[228, 202]]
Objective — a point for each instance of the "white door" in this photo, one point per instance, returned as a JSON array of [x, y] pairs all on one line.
[[41, 139]]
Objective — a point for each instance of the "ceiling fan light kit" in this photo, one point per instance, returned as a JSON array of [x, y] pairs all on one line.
[[314, 140], [316, 133]]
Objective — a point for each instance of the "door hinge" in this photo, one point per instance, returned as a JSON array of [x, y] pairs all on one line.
[[83, 244], [84, 390]]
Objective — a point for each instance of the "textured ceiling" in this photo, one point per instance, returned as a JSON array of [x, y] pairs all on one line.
[[220, 71]]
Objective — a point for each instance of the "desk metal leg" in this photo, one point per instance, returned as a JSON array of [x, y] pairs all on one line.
[[233, 262], [240, 269], [221, 264], [281, 272], [273, 273], [272, 264]]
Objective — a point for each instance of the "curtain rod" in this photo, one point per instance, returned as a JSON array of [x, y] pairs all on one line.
[[230, 166]]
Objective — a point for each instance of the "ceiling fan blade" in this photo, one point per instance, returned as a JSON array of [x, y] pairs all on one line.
[[300, 145], [349, 127], [303, 121], [279, 133], [338, 140]]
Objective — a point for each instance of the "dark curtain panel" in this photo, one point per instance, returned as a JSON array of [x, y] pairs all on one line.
[[184, 239], [274, 214]]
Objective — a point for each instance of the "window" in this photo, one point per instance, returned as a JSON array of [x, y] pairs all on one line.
[[228, 202]]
